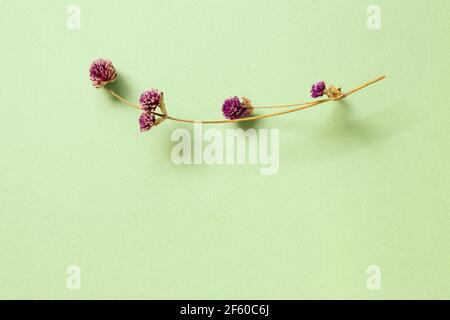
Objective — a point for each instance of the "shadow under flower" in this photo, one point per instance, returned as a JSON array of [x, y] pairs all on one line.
[[342, 134], [253, 124], [121, 87]]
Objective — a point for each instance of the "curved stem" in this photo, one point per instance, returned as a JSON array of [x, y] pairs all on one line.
[[366, 84], [115, 95], [300, 106], [282, 106], [274, 114]]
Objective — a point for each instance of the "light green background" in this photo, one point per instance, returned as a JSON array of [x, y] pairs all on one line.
[[360, 183]]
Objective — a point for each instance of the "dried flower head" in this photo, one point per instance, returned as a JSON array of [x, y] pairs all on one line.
[[150, 99], [146, 121], [101, 72], [318, 89], [233, 108], [333, 92]]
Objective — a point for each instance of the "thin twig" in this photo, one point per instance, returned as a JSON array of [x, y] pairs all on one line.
[[300, 106]]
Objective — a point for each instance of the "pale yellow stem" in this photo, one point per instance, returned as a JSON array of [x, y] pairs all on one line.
[[312, 104], [114, 94], [300, 106]]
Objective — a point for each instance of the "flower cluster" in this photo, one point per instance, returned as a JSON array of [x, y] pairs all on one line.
[[318, 89], [146, 121], [149, 101], [102, 72], [233, 108]]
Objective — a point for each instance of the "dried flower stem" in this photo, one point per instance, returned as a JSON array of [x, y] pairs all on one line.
[[128, 103], [115, 95], [299, 106]]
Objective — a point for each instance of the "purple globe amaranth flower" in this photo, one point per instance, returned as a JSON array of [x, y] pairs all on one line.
[[150, 99], [233, 108], [146, 121], [101, 72], [318, 89]]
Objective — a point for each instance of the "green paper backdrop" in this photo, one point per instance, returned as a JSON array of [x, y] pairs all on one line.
[[360, 183]]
